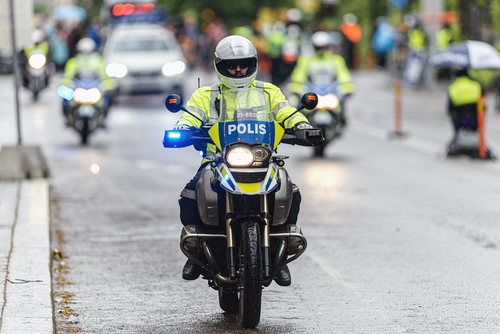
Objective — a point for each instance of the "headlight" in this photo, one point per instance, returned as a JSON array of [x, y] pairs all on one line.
[[173, 68], [84, 96], [116, 70], [240, 156], [37, 61], [65, 92], [260, 155], [329, 101]]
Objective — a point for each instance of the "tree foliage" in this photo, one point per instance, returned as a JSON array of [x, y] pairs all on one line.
[[232, 12]]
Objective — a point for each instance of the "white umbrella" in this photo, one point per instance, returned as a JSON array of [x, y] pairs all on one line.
[[472, 54]]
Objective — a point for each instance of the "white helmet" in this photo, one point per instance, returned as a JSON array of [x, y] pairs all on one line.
[[37, 36], [231, 51], [85, 46], [321, 39]]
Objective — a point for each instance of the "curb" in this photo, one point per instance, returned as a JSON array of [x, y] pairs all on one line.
[[25, 258]]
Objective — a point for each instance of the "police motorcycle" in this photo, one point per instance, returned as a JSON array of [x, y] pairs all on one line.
[[329, 113], [243, 197], [37, 72], [84, 103]]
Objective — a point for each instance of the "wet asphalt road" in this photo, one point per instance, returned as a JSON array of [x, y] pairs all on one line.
[[400, 239]]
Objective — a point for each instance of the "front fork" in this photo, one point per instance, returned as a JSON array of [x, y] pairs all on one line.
[[232, 250]]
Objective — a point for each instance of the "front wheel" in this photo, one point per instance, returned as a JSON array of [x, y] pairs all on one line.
[[250, 285], [319, 151], [85, 131]]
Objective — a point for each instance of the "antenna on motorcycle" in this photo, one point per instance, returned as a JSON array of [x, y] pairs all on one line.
[[308, 101], [198, 82], [174, 104]]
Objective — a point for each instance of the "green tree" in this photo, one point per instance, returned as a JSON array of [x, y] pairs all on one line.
[[232, 12]]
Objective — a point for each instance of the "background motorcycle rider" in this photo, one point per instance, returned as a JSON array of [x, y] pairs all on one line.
[[39, 44], [93, 63], [235, 61], [321, 60]]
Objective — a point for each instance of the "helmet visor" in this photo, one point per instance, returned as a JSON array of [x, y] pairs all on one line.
[[250, 64]]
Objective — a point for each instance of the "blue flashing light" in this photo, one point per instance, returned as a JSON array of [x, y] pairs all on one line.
[[65, 92], [174, 135], [226, 177]]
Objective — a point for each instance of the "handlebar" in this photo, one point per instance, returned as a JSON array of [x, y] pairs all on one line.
[[199, 137]]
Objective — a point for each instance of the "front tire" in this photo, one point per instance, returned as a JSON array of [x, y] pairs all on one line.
[[85, 131], [250, 285]]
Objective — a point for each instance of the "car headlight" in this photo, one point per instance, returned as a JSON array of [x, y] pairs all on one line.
[[116, 70], [37, 61], [173, 68], [240, 156], [329, 101], [84, 96]]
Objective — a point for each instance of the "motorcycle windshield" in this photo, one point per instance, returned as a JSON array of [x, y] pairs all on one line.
[[246, 116]]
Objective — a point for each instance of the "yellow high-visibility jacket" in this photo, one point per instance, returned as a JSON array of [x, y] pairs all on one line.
[[202, 104]]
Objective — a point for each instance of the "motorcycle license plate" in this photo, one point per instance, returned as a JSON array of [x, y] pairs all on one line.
[[322, 118], [86, 111]]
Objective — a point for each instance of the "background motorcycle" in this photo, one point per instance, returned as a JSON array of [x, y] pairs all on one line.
[[243, 197], [37, 73], [84, 104], [329, 113]]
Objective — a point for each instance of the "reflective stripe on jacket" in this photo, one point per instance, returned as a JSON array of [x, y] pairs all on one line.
[[464, 91]]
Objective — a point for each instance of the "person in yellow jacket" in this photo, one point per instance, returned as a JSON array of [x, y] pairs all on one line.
[[235, 61], [88, 63], [463, 95], [417, 39], [41, 46], [322, 61]]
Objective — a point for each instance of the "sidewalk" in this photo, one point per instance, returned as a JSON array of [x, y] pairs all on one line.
[[26, 306]]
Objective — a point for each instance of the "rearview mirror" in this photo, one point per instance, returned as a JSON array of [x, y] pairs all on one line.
[[309, 101], [174, 103]]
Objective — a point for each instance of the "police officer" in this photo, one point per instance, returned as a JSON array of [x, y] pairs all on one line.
[[89, 62], [39, 45], [235, 61], [463, 95], [322, 60]]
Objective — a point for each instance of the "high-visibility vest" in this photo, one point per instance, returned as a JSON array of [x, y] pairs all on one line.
[[417, 40], [203, 104], [464, 91]]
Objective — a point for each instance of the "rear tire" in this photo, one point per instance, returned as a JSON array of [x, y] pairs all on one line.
[[228, 301], [250, 285]]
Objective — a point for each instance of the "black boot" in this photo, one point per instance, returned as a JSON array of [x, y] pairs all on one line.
[[191, 271], [283, 276]]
